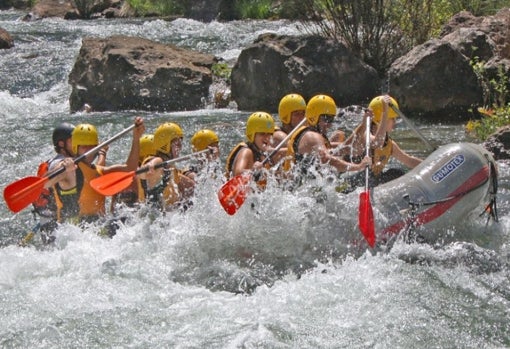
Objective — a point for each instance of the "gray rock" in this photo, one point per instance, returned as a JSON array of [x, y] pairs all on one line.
[[274, 66], [127, 73]]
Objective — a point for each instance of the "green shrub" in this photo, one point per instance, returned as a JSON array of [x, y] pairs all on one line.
[[157, 7], [489, 123], [221, 70]]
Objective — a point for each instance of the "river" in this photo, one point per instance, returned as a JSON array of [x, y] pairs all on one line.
[[202, 279]]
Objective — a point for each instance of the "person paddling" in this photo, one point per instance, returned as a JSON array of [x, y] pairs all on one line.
[[291, 110], [308, 149], [208, 164], [382, 146], [247, 157], [136, 191], [80, 203], [46, 206], [168, 187]]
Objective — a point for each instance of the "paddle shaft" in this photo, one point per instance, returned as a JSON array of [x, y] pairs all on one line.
[[92, 151], [282, 143], [171, 161], [411, 126], [367, 151], [366, 215]]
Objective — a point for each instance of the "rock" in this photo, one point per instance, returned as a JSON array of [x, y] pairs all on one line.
[[55, 8], [435, 79], [472, 42], [499, 143], [203, 10], [127, 73], [274, 66], [6, 40], [17, 4]]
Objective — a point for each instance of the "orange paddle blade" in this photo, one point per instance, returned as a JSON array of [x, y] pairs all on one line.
[[112, 183], [233, 193], [366, 218], [23, 192]]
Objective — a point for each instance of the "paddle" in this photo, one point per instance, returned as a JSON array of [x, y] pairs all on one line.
[[233, 193], [411, 126], [366, 215], [115, 182], [23, 192]]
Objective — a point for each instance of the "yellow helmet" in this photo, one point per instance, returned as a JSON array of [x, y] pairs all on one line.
[[84, 134], [259, 122], [317, 106], [288, 104], [147, 146], [203, 138], [164, 135], [377, 108]]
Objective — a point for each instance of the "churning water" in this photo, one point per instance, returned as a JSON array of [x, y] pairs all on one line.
[[277, 274]]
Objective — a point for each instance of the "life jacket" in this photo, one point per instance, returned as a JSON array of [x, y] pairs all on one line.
[[47, 204], [143, 187], [91, 203], [231, 158], [166, 193], [257, 156], [129, 196], [68, 203], [381, 156], [304, 161]]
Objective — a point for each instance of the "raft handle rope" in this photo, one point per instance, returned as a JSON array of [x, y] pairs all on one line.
[[491, 208]]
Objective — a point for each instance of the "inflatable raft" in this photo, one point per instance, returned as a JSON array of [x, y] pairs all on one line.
[[450, 184]]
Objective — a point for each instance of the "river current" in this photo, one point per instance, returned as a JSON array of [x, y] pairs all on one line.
[[201, 279]]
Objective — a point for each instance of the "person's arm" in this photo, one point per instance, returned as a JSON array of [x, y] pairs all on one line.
[[186, 185], [354, 144], [343, 166], [132, 160], [243, 162], [406, 159], [66, 179], [101, 156], [278, 137]]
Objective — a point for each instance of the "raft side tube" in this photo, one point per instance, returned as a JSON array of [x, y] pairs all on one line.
[[450, 183]]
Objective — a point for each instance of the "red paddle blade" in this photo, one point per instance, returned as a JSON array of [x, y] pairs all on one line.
[[23, 192], [233, 193], [366, 218], [112, 183]]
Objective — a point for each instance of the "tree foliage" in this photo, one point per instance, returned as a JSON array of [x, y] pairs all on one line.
[[379, 31]]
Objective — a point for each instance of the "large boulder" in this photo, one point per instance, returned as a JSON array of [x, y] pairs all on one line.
[[17, 4], [127, 73], [496, 27], [6, 40], [435, 79], [54, 8], [203, 10], [274, 66], [499, 143]]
